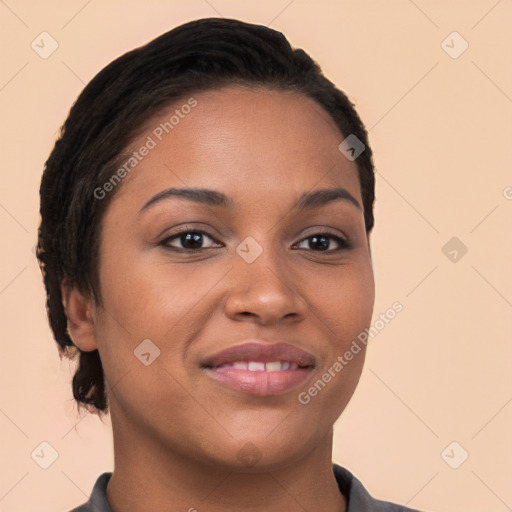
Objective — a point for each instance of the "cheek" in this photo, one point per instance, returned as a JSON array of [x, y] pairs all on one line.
[[148, 298], [343, 302], [344, 308], [147, 301]]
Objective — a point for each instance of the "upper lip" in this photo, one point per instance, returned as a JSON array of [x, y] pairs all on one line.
[[263, 352]]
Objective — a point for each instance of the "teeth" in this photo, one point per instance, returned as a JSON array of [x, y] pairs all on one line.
[[258, 366], [255, 366]]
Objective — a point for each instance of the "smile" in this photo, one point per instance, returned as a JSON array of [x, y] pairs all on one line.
[[260, 379], [260, 369], [259, 366]]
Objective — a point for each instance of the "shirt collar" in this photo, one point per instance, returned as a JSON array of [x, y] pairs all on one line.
[[358, 498]]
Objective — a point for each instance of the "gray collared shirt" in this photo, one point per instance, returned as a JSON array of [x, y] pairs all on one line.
[[358, 498]]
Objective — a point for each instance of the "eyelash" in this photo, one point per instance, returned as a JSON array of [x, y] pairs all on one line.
[[343, 244]]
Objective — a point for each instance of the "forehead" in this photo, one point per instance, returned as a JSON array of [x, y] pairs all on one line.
[[242, 141]]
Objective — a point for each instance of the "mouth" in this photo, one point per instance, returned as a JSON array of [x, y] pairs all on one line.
[[260, 369]]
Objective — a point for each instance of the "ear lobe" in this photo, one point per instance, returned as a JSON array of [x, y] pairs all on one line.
[[78, 309]]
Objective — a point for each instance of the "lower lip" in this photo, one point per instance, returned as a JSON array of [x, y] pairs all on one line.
[[260, 383]]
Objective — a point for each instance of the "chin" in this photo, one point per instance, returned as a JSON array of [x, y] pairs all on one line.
[[264, 451]]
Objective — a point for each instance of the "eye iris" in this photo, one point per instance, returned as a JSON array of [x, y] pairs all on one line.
[[191, 240], [323, 245]]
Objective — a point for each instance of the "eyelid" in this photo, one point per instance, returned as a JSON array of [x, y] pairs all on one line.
[[321, 230]]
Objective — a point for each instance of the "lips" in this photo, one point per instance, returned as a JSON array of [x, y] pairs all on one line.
[[260, 369]]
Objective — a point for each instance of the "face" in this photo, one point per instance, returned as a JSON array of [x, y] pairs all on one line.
[[182, 280]]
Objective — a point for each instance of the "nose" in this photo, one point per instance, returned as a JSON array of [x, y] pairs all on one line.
[[265, 291]]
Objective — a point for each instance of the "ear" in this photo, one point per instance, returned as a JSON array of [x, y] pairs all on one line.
[[80, 313]]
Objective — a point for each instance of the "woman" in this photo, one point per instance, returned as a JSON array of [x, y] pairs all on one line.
[[204, 242]]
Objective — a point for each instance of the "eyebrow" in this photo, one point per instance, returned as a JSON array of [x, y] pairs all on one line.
[[307, 200]]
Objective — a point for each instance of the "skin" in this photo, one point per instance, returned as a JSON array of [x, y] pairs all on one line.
[[178, 434]]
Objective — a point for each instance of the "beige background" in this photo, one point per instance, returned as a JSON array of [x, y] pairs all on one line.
[[441, 131]]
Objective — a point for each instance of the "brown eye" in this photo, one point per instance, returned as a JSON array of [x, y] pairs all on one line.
[[190, 240], [320, 242]]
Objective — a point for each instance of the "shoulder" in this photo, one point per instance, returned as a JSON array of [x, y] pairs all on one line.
[[358, 498], [97, 501]]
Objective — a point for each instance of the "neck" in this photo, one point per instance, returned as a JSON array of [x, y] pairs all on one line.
[[148, 477]]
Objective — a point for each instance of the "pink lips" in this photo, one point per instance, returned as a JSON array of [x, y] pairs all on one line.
[[254, 367]]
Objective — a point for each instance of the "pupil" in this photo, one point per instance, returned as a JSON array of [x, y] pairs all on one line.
[[191, 240], [322, 245]]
